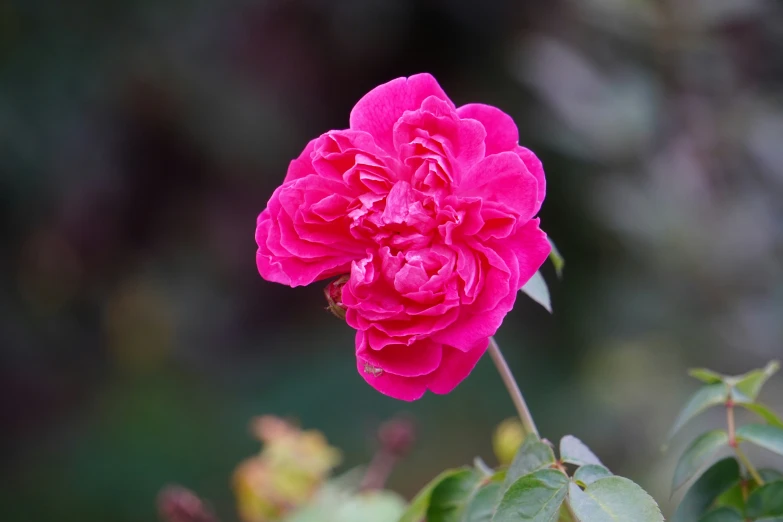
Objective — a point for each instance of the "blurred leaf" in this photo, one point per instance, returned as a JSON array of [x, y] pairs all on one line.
[[464, 497], [418, 506], [532, 456], [483, 505], [557, 259], [613, 499], [698, 455], [705, 375], [733, 497], [574, 451], [770, 475], [706, 397], [747, 387], [718, 478], [769, 416], [537, 290], [535, 497], [722, 514], [766, 501], [762, 435], [378, 506], [589, 473]]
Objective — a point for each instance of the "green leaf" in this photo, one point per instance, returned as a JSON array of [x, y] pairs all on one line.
[[574, 451], [450, 498], [335, 505], [718, 478], [532, 456], [770, 475], [557, 260], [483, 505], [705, 375], [747, 387], [613, 499], [698, 455], [534, 498], [589, 473], [378, 506], [722, 514], [469, 496], [764, 412], [706, 397], [734, 497], [537, 289], [762, 435], [418, 507], [766, 501]]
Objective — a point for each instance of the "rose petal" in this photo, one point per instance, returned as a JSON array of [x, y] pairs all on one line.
[[455, 366], [502, 178], [395, 386], [502, 134], [531, 247], [420, 358], [379, 109], [535, 167]]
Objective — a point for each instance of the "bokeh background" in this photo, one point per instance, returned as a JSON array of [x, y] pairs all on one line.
[[139, 141]]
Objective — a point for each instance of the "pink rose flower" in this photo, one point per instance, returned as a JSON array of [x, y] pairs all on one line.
[[429, 210]]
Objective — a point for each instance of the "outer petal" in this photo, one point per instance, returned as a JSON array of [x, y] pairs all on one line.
[[456, 365], [502, 134], [379, 109], [419, 358], [402, 388], [535, 167], [503, 178], [531, 249], [454, 368], [265, 261]]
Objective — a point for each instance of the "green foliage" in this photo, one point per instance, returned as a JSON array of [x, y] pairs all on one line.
[[762, 435], [703, 399], [766, 501], [705, 375], [536, 497], [746, 388], [557, 259], [340, 501], [702, 494], [589, 473], [728, 491], [613, 499], [764, 412], [536, 288], [418, 506], [537, 486], [532, 456], [722, 514], [574, 451], [698, 455], [538, 291]]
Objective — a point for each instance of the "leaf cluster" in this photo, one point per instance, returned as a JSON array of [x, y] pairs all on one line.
[[731, 489], [536, 487]]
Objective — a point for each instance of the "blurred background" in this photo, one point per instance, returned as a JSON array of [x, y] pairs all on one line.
[[139, 141]]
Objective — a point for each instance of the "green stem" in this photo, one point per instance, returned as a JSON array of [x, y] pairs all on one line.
[[512, 387], [746, 462], [735, 444]]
